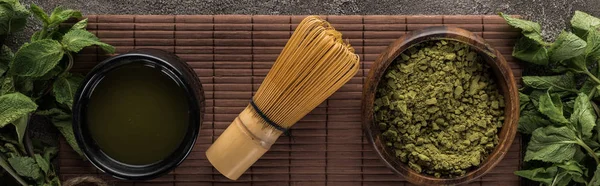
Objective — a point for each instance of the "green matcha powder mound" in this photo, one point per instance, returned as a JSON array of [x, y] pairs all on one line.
[[439, 108]]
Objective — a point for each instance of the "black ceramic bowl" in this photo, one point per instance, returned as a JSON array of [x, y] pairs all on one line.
[[172, 66]]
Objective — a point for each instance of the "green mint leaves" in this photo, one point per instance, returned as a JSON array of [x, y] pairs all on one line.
[[6, 55], [583, 117], [8, 168], [559, 110], [62, 120], [37, 58], [542, 175], [552, 107], [77, 39], [582, 23], [531, 47], [60, 15], [596, 179], [558, 174], [13, 16], [552, 144], [14, 106], [531, 121], [39, 13], [26, 166], [529, 50], [564, 82], [35, 81], [81, 25], [567, 46], [65, 87], [531, 30]]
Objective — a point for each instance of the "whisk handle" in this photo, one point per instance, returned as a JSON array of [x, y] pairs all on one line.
[[241, 144]]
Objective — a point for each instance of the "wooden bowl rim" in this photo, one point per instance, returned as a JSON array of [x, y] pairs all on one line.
[[510, 93]]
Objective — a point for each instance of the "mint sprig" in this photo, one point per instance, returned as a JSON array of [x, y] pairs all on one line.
[[35, 80], [559, 109]]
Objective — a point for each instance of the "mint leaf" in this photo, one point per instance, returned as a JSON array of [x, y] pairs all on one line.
[[567, 46], [570, 170], [592, 50], [11, 150], [54, 182], [36, 58], [13, 16], [26, 166], [524, 102], [587, 88], [36, 36], [543, 175], [598, 129], [51, 112], [60, 15], [535, 95], [64, 89], [591, 143], [530, 51], [568, 107], [24, 85], [6, 166], [6, 85], [53, 74], [564, 82], [39, 13], [81, 24], [531, 30], [14, 106], [66, 129], [49, 153], [77, 39], [523, 98], [21, 127], [563, 178], [552, 144], [43, 163], [63, 121], [15, 109], [582, 23], [56, 114], [532, 47], [577, 64], [551, 106], [572, 166], [583, 117], [529, 121], [596, 178], [6, 56]]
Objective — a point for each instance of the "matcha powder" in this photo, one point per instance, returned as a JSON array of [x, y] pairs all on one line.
[[439, 108]]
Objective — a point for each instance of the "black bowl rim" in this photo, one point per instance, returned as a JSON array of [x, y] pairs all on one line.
[[138, 172]]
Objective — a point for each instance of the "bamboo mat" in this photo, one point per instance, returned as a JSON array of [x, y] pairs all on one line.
[[231, 55]]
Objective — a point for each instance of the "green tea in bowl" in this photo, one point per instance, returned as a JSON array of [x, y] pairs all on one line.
[[137, 115]]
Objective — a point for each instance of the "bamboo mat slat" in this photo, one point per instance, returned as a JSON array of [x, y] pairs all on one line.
[[231, 54]]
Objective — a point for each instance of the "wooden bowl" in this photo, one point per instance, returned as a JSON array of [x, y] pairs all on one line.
[[501, 71]]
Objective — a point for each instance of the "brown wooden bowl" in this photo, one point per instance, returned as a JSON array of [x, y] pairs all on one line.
[[501, 71]]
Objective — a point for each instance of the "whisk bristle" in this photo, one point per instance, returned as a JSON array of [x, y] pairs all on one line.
[[314, 64]]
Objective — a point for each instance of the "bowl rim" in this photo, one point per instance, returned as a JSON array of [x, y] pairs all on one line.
[[170, 65], [506, 82]]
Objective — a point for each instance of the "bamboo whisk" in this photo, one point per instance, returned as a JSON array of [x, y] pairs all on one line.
[[314, 64]]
